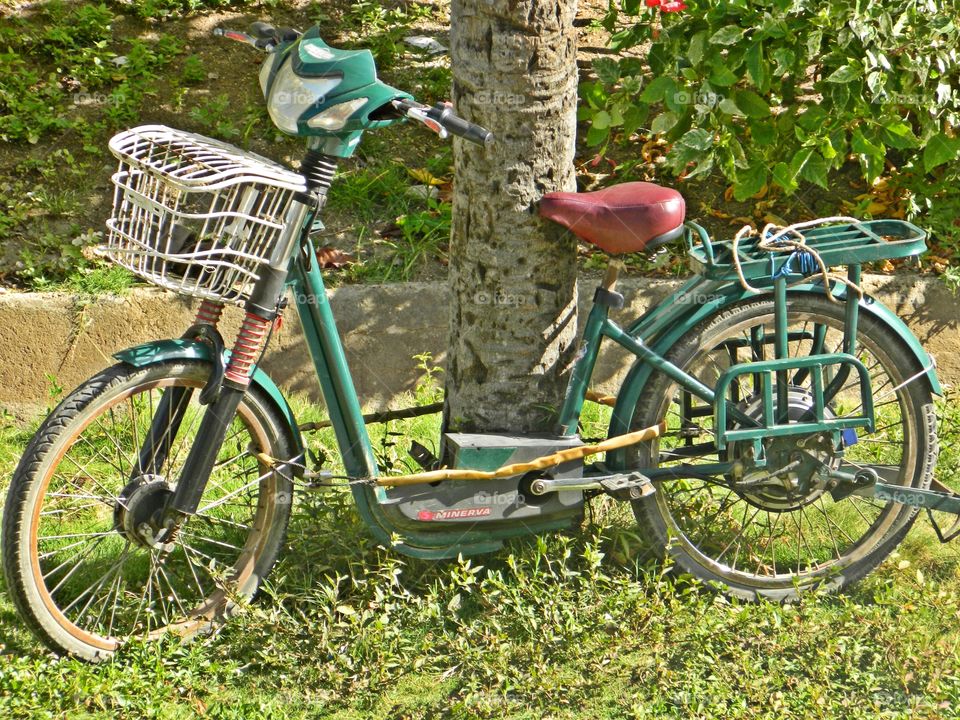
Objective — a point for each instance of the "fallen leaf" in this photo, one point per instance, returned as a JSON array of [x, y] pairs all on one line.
[[719, 214], [329, 257], [424, 176]]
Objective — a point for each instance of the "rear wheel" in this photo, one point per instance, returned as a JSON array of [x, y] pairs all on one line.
[[78, 555], [779, 538]]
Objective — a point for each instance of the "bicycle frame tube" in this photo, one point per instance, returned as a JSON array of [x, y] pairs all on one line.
[[330, 362], [599, 326]]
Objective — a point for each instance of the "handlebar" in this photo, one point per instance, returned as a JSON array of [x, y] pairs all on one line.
[[442, 120], [262, 36]]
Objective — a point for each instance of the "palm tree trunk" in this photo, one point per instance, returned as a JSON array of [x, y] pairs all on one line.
[[512, 275]]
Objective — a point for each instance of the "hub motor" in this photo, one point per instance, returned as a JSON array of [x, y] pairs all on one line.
[[794, 474], [138, 508]]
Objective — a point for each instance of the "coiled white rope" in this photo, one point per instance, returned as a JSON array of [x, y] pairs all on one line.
[[777, 238]]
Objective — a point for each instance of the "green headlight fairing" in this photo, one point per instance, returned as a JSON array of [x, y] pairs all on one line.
[[308, 78]]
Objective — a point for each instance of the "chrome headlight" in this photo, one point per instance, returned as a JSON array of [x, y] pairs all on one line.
[[291, 95]]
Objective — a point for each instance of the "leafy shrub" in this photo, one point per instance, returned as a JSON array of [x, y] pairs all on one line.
[[782, 91]]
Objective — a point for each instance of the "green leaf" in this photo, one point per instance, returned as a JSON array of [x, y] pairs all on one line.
[[727, 35], [728, 106], [870, 154], [602, 120], [634, 117], [815, 170], [664, 122], [862, 146], [595, 136], [756, 68], [697, 139], [697, 47], [785, 177], [940, 149], [763, 132], [845, 74], [750, 181], [631, 67], [659, 90], [785, 58], [607, 70], [594, 94], [722, 76], [753, 105], [898, 134], [800, 158], [812, 118], [814, 40]]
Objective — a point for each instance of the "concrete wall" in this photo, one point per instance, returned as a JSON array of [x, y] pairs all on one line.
[[46, 335]]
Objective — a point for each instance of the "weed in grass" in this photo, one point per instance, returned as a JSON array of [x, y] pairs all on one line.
[[216, 116], [193, 70]]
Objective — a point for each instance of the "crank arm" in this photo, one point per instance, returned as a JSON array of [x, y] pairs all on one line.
[[631, 486]]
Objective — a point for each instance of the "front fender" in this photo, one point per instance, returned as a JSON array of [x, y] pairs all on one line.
[[662, 336], [159, 351]]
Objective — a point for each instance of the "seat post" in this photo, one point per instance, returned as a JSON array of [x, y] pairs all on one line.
[[612, 274]]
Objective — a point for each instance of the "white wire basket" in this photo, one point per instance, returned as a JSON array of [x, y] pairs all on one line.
[[195, 215]]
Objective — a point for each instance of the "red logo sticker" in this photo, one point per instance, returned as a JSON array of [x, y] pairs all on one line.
[[454, 514]]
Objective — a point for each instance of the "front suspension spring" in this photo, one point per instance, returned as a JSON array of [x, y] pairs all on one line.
[[246, 349], [209, 313]]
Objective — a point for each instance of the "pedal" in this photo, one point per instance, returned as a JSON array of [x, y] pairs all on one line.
[[627, 487], [423, 457]]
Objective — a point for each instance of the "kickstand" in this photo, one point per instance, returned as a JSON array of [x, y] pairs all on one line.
[[953, 532]]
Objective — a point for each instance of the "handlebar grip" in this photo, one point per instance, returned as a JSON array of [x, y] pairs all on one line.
[[462, 128], [467, 130], [262, 30]]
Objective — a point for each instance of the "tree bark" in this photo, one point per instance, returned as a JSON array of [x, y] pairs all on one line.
[[513, 276]]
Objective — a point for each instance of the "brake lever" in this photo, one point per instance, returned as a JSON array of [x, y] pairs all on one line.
[[265, 44], [418, 112]]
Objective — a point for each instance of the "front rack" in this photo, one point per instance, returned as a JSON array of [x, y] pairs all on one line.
[[195, 215], [839, 244]]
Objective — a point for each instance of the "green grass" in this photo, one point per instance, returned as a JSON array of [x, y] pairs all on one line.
[[560, 626]]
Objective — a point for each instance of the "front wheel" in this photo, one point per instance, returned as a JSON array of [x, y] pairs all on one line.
[[780, 538], [78, 558]]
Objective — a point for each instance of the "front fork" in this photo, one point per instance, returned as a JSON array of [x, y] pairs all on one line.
[[223, 402]]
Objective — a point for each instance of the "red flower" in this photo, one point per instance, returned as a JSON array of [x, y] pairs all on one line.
[[668, 6]]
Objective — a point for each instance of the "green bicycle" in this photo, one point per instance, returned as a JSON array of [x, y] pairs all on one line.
[[775, 434]]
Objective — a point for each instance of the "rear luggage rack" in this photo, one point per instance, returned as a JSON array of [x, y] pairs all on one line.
[[839, 244]]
